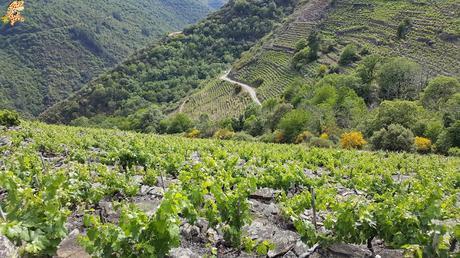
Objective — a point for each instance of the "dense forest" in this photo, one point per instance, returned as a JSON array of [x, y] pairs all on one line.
[[64, 44]]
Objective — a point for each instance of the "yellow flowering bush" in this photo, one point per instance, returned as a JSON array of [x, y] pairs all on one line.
[[423, 144], [352, 140], [324, 136]]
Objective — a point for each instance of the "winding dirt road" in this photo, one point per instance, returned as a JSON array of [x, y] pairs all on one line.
[[245, 87]]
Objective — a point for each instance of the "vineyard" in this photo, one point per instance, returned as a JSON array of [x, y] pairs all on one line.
[[371, 26], [218, 98], [71, 192]]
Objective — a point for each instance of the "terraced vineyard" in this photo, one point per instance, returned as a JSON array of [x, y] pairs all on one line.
[[272, 69], [431, 41], [218, 99], [134, 195], [375, 25]]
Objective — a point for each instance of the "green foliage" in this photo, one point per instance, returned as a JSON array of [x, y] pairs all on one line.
[[399, 79], [9, 118], [393, 138], [404, 28], [438, 91], [407, 200], [349, 55], [171, 69], [63, 45], [137, 235], [402, 112], [293, 123], [178, 123]]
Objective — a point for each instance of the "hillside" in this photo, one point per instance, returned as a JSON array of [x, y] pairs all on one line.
[[63, 44], [433, 42], [137, 195], [299, 72], [169, 71]]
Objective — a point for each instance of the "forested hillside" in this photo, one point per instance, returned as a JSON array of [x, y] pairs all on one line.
[[63, 44], [167, 72]]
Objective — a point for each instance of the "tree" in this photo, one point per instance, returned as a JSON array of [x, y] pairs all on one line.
[[393, 138], [293, 123], [399, 79], [179, 123], [438, 91], [400, 112], [349, 55], [254, 125], [449, 138]]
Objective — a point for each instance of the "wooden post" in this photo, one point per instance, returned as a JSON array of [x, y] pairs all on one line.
[[313, 206]]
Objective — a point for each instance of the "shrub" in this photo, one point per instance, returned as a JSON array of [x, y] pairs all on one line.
[[352, 140], [293, 123], [349, 55], [395, 138], [324, 136], [303, 137], [404, 28], [454, 152], [194, 133], [242, 136], [224, 134], [9, 118], [319, 142], [422, 144]]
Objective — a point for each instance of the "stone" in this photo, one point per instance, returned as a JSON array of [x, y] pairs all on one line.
[[202, 224], [7, 249], [213, 236], [149, 206], [264, 194], [69, 247], [182, 253], [347, 250], [300, 248], [190, 232]]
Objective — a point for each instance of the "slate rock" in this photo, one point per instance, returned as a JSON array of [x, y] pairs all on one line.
[[182, 253], [69, 247], [7, 249]]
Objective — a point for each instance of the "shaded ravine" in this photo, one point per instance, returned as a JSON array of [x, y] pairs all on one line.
[[245, 87]]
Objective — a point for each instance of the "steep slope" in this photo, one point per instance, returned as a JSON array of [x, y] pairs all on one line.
[[432, 41], [63, 44], [171, 70]]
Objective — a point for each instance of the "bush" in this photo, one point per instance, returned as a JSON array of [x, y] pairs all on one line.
[[293, 123], [320, 143], [242, 136], [404, 28], [324, 136], [349, 55], [395, 138], [9, 118], [454, 152], [422, 144], [224, 134], [352, 140], [179, 123], [194, 133], [303, 137]]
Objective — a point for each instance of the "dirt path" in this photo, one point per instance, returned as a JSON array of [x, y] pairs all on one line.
[[245, 87], [182, 106]]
